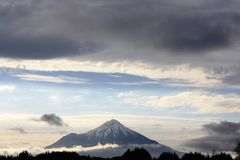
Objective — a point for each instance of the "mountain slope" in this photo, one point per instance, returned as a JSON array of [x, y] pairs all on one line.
[[111, 132]]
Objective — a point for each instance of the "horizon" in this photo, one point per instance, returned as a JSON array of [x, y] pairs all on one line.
[[166, 69]]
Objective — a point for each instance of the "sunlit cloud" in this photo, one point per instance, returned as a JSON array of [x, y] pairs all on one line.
[[203, 102], [181, 73], [52, 79], [55, 99], [7, 88]]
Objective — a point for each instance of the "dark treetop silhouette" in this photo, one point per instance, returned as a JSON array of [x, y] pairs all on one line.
[[136, 154]]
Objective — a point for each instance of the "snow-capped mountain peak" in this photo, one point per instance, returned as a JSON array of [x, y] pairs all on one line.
[[111, 132], [111, 128]]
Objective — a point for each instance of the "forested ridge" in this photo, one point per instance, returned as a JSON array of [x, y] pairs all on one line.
[[136, 154]]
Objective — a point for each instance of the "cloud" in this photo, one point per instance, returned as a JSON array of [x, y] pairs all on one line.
[[163, 34], [233, 78], [223, 136], [179, 74], [51, 79], [39, 134], [39, 47], [107, 150], [7, 88], [52, 120], [40, 30], [19, 130], [84, 149], [38, 150], [224, 127], [28, 35], [195, 100]]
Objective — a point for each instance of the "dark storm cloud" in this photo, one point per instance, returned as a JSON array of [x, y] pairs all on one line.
[[223, 136], [196, 34], [222, 128], [25, 33], [171, 27], [52, 119], [37, 47], [233, 79], [48, 29]]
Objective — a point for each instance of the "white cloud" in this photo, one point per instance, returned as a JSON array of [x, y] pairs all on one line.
[[75, 98], [55, 99], [190, 75], [203, 102], [52, 79], [83, 149], [38, 150], [66, 99], [7, 88]]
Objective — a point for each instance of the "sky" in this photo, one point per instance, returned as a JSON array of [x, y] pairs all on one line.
[[168, 69]]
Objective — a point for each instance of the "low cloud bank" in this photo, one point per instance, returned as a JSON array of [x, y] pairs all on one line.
[[37, 150], [222, 136], [107, 150]]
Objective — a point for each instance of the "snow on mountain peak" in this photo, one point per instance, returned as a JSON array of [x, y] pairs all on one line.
[[113, 121], [111, 132], [111, 128]]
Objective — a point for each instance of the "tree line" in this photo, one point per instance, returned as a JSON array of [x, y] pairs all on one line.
[[136, 154]]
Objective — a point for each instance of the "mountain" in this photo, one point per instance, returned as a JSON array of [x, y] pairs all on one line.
[[111, 132]]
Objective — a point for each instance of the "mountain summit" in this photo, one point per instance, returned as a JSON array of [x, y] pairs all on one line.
[[111, 132], [110, 129]]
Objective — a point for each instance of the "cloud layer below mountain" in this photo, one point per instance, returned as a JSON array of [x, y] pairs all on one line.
[[223, 136]]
